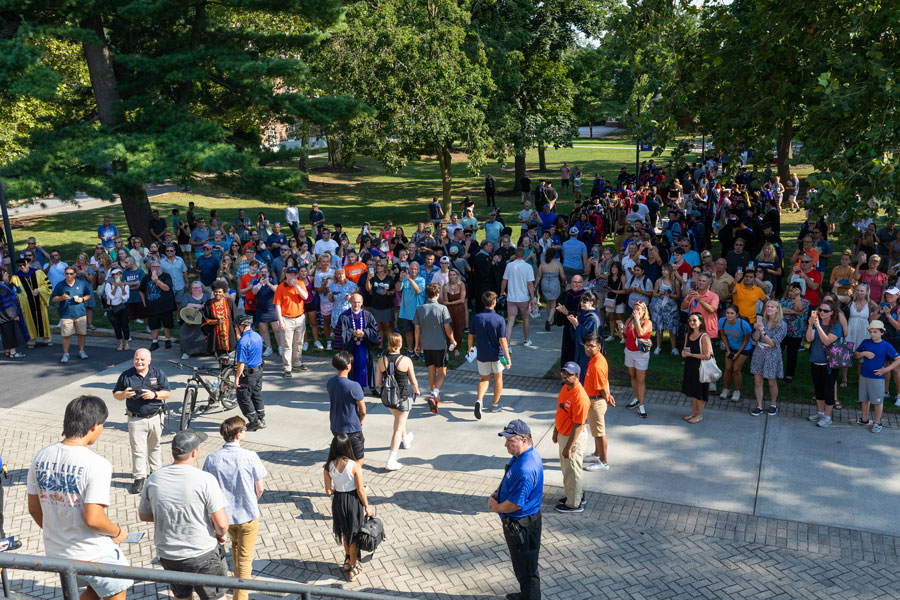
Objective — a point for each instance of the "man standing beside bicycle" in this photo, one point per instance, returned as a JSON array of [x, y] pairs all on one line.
[[248, 374], [144, 388]]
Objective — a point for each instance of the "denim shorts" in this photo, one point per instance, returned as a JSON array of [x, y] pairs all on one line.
[[107, 586]]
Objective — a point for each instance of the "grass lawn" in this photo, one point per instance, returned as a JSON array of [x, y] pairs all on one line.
[[369, 194]]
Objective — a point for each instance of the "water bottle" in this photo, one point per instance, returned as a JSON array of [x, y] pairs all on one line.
[[214, 384]]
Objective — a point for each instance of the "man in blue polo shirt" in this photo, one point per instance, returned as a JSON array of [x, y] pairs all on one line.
[[489, 329], [70, 294], [248, 374], [518, 502], [574, 255]]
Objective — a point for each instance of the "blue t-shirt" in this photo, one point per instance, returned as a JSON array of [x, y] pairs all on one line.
[[107, 234], [249, 349], [69, 309], [735, 333], [488, 328], [572, 250], [884, 353], [209, 268], [276, 238], [817, 350], [492, 230], [409, 299], [129, 277], [523, 484], [547, 219], [344, 394]]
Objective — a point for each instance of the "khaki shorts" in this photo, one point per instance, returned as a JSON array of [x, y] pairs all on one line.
[[597, 418], [514, 308], [69, 327], [488, 368]]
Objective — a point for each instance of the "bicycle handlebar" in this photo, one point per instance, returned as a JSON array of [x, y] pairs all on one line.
[[194, 369]]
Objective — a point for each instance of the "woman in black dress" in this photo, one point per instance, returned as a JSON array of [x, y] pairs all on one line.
[[697, 347], [349, 502]]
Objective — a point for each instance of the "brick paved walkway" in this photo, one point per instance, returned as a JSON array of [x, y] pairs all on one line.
[[442, 543]]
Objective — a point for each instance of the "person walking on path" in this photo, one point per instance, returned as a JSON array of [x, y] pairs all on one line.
[[187, 509], [432, 330], [349, 499], [697, 348], [405, 375], [71, 294], [68, 494], [347, 410], [518, 280], [767, 364], [596, 384], [145, 389], [240, 474], [290, 298], [517, 500], [489, 329], [248, 374], [572, 406], [13, 332]]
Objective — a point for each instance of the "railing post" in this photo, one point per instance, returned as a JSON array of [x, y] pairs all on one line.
[[304, 596], [69, 584], [5, 580]]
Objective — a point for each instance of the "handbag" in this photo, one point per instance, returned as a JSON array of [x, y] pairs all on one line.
[[370, 535], [839, 354], [709, 371], [643, 344], [609, 304]]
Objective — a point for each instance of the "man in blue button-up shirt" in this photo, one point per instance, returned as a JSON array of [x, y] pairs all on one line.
[[240, 474]]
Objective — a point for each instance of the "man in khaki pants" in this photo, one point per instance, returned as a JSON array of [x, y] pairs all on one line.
[[144, 389], [572, 407], [289, 298]]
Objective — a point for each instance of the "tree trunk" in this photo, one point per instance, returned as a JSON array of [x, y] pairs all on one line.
[[445, 161], [591, 129], [137, 211], [335, 156], [542, 159], [784, 150], [520, 172]]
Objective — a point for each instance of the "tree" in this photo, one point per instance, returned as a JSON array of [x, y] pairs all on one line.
[[175, 90]]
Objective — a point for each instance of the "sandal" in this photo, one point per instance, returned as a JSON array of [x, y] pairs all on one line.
[[838, 405], [15, 355], [688, 418], [346, 567], [354, 572], [843, 384], [695, 420]]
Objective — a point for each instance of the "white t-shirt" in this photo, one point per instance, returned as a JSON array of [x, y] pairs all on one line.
[[517, 275], [322, 247], [65, 478], [291, 214]]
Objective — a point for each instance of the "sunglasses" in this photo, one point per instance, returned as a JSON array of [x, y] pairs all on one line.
[[824, 310]]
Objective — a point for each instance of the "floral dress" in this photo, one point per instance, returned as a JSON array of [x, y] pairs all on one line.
[[766, 359], [664, 310], [796, 324]]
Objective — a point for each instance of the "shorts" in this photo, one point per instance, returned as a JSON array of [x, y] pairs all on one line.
[[407, 326], [597, 418], [637, 359], [69, 327], [488, 368], [166, 320], [210, 563], [383, 315], [871, 390], [514, 308], [748, 352], [437, 358], [180, 295], [107, 586], [185, 248], [358, 443], [620, 309]]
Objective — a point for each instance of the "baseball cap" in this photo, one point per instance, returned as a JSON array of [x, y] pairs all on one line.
[[515, 427], [876, 324], [573, 231], [187, 441], [572, 368], [454, 249], [292, 270], [445, 259], [892, 290], [205, 246]]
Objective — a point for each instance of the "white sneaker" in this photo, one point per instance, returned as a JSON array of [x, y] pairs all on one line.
[[328, 345], [393, 465], [65, 358], [267, 351], [407, 440], [305, 346], [897, 402], [656, 351], [597, 466], [609, 338], [736, 396], [622, 341], [82, 355], [591, 458], [184, 357], [814, 418], [675, 352], [724, 394], [319, 345], [528, 342]]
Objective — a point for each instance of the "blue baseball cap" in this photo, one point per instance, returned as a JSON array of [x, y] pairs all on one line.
[[515, 427], [572, 368]]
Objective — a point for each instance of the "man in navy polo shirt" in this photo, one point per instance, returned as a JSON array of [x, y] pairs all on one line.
[[207, 266], [70, 295], [489, 329], [248, 374], [518, 502]]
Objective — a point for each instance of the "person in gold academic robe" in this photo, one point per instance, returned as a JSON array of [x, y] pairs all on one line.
[[34, 297]]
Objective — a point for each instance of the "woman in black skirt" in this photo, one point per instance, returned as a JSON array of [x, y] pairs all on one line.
[[697, 347], [349, 503]]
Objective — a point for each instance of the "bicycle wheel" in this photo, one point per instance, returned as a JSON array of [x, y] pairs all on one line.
[[227, 391], [188, 405]]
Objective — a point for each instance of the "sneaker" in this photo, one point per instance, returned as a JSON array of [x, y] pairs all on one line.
[[478, 409], [137, 486], [656, 351], [168, 344], [565, 509], [65, 358], [261, 422], [642, 412], [154, 346], [328, 345], [877, 427], [897, 401], [267, 351], [824, 422], [597, 466], [757, 411], [736, 396], [301, 367], [633, 404], [724, 394], [286, 374], [528, 343], [609, 338], [393, 465], [184, 357], [861, 422], [590, 458], [407, 440], [319, 345], [432, 404], [622, 341], [772, 410], [82, 355], [253, 426], [496, 408], [675, 352], [305, 346], [562, 501], [814, 418], [546, 325]]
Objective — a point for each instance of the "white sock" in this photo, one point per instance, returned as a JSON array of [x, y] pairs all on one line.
[[392, 456], [436, 392]]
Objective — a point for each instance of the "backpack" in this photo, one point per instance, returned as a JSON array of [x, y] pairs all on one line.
[[370, 535], [390, 390]]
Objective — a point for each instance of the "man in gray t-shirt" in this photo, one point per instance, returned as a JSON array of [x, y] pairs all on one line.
[[187, 508], [432, 330]]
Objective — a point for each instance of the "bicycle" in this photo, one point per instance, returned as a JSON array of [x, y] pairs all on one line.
[[220, 387]]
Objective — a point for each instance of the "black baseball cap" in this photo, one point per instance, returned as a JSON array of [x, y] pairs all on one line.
[[187, 441]]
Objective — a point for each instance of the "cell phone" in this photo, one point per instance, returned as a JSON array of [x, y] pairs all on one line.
[[134, 537]]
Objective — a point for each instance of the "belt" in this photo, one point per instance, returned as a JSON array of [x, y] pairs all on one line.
[[250, 370], [596, 398], [131, 414], [523, 521]]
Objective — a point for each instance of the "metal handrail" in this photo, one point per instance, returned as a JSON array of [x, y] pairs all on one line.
[[68, 570]]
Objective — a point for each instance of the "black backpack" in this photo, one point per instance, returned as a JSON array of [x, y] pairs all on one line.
[[390, 391], [370, 535]]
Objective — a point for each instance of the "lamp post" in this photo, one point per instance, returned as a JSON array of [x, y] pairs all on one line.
[[6, 226]]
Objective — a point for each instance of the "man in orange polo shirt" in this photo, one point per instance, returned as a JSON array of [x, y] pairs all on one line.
[[596, 385], [572, 407], [289, 298], [354, 268]]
